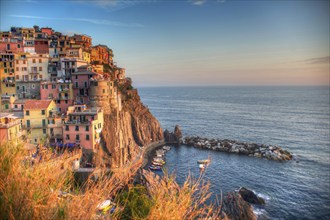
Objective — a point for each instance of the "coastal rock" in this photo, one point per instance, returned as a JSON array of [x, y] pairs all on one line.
[[250, 196], [251, 149], [236, 208], [175, 137]]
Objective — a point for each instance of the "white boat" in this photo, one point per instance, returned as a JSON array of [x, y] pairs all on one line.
[[207, 161], [167, 148]]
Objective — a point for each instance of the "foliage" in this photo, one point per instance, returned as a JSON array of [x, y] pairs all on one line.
[[46, 190], [136, 203]]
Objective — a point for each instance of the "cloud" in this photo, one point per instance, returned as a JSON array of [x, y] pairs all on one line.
[[111, 5], [92, 21], [317, 60], [198, 2]]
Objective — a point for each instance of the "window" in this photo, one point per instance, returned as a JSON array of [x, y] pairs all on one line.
[[40, 76], [44, 131], [16, 106], [46, 86], [77, 137], [24, 61], [28, 123], [33, 86], [87, 128], [77, 128], [68, 137], [17, 87], [18, 46], [53, 86], [17, 76], [43, 122], [27, 112], [33, 60], [39, 60], [87, 137], [103, 90], [16, 61], [17, 69], [6, 106], [43, 112], [40, 68], [66, 127]]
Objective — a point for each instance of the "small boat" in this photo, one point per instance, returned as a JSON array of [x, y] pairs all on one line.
[[155, 168], [201, 166], [167, 148], [159, 160], [156, 163], [203, 161]]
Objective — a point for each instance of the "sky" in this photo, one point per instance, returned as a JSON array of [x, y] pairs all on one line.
[[195, 42]]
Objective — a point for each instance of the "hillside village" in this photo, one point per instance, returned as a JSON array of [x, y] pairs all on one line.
[[53, 88]]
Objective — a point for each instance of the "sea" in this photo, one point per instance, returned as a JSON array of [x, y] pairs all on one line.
[[295, 118]]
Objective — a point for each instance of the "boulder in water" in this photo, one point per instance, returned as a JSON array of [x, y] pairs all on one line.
[[250, 196]]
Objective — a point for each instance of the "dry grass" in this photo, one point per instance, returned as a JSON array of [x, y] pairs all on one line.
[[32, 192], [180, 202]]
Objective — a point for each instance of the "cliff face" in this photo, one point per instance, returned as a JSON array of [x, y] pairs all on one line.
[[126, 129]]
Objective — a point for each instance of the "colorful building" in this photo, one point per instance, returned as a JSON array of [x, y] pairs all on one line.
[[7, 74], [36, 114], [10, 128], [83, 126], [81, 84], [101, 54], [60, 91]]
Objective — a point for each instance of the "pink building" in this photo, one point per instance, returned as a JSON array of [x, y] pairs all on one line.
[[83, 126], [60, 91], [13, 46], [81, 84]]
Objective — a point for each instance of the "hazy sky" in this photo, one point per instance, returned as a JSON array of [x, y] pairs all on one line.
[[201, 42]]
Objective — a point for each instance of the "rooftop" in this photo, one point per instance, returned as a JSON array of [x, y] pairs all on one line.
[[37, 104]]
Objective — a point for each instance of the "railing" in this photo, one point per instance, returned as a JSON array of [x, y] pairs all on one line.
[[77, 122], [10, 124], [33, 71]]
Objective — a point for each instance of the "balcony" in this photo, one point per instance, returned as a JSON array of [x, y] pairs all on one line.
[[10, 124], [33, 71], [76, 122], [55, 125]]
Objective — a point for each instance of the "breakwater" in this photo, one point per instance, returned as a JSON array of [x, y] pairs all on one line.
[[271, 152]]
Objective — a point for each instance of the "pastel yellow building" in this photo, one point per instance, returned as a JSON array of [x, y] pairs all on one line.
[[10, 128], [36, 114], [87, 56]]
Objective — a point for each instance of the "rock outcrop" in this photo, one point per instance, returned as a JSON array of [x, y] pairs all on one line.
[[173, 137], [251, 149], [250, 197], [127, 129], [236, 208]]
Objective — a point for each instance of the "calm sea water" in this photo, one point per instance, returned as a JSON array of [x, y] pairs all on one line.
[[296, 118]]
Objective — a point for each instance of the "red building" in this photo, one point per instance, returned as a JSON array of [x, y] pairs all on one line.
[[41, 46]]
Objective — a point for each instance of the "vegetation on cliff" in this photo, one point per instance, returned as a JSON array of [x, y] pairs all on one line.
[[47, 190]]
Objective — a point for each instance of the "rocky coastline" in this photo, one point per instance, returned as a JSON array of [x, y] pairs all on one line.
[[271, 152]]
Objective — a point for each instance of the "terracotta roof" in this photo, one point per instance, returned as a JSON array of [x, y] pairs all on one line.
[[37, 104]]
